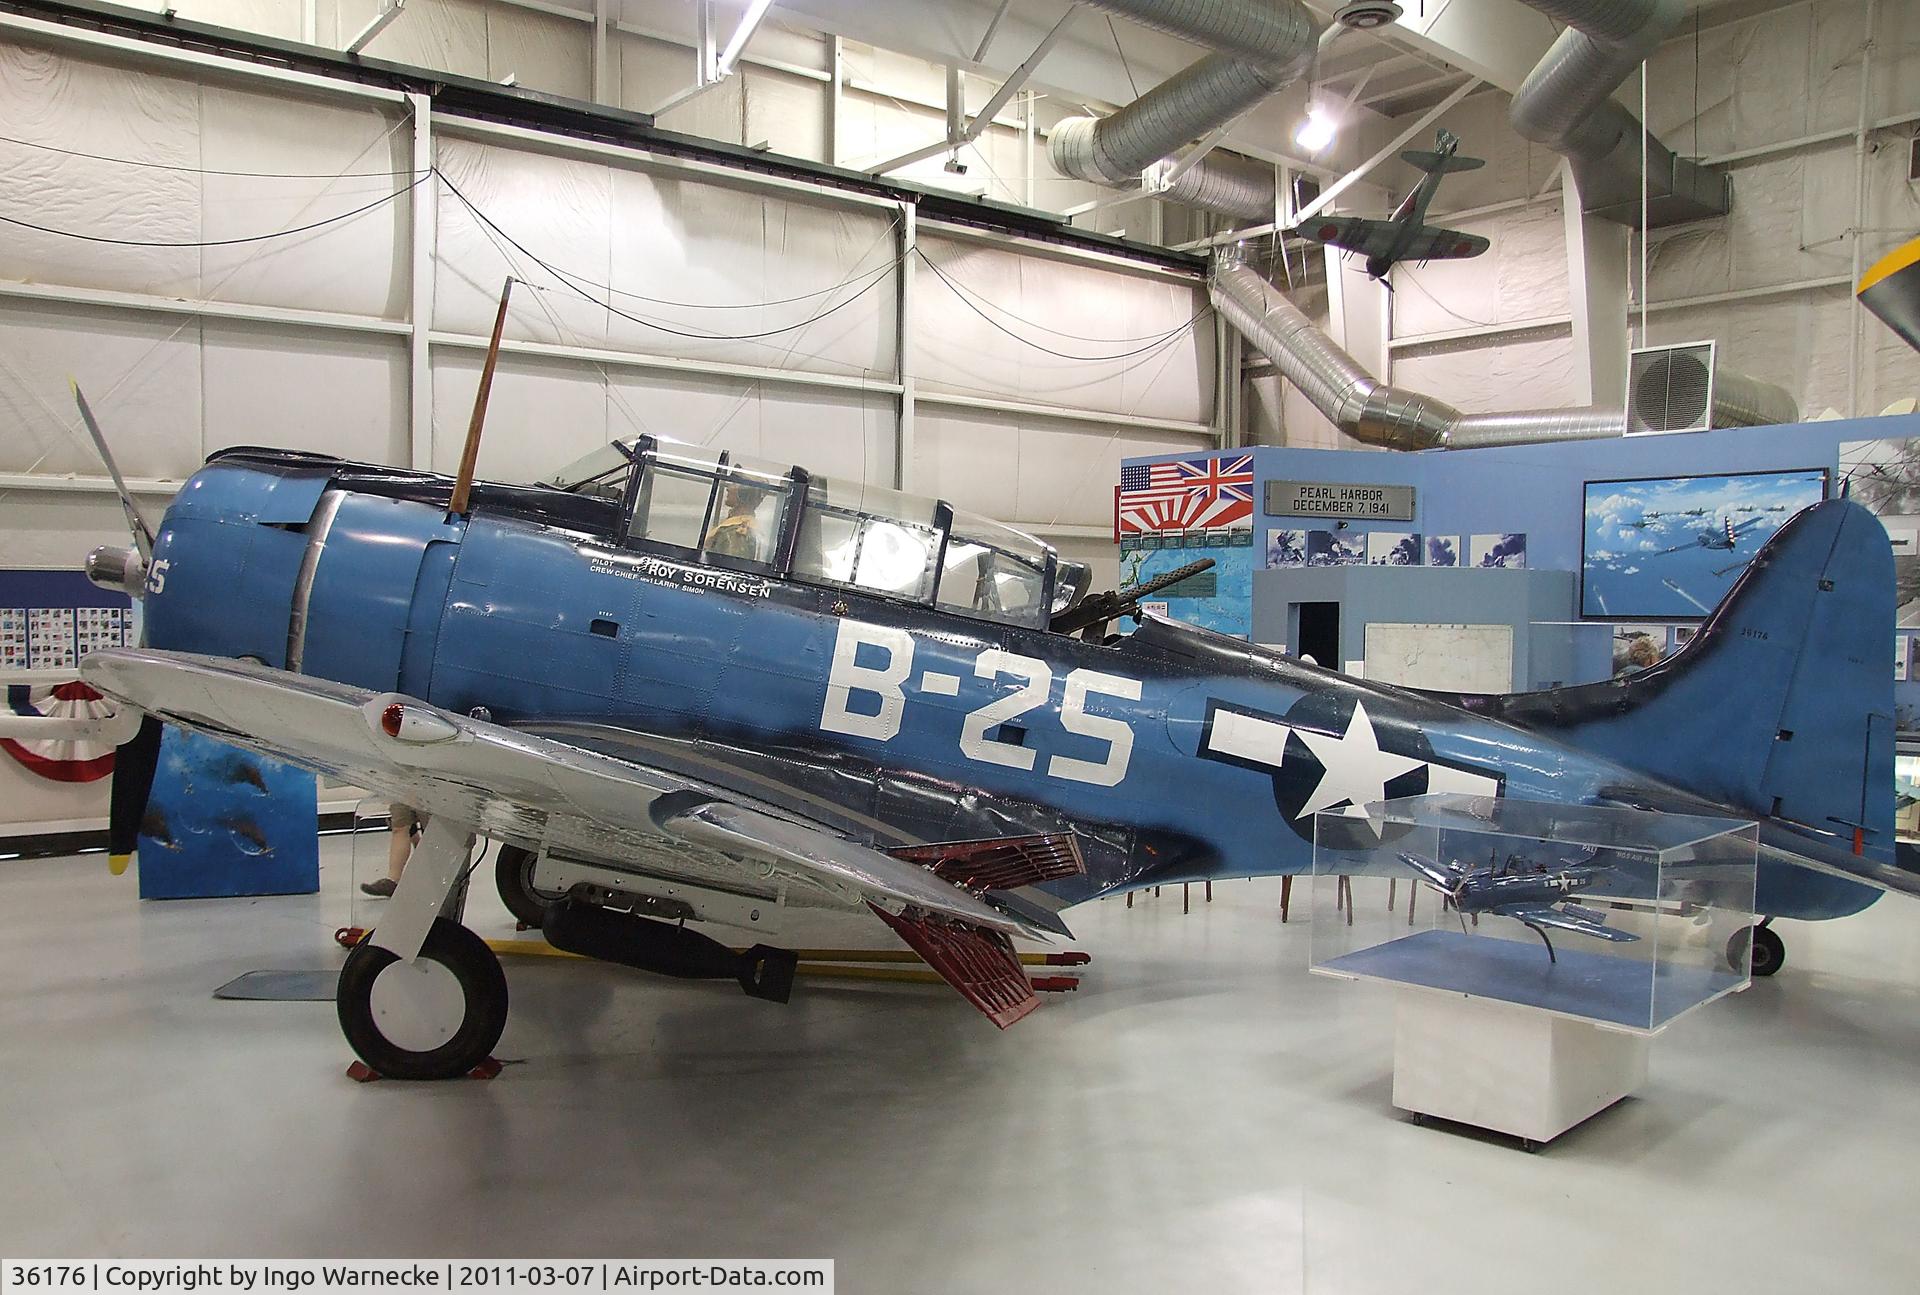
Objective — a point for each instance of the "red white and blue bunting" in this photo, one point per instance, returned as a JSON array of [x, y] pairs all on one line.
[[60, 760]]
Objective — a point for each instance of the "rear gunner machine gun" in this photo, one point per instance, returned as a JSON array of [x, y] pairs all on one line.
[[1089, 617]]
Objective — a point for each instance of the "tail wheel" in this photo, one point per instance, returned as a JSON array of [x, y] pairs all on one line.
[[434, 1018], [513, 876]]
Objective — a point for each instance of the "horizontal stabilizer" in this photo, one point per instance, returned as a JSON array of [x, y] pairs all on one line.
[[1440, 163], [980, 963]]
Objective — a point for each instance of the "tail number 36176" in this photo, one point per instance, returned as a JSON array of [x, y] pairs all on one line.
[[867, 697]]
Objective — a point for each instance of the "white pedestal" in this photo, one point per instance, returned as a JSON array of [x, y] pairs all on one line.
[[1515, 1070]]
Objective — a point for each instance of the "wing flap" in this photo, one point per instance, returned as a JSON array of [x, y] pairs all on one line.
[[1000, 863], [980, 963], [730, 827]]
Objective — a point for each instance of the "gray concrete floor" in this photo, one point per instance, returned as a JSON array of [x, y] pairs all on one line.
[[1202, 1115]]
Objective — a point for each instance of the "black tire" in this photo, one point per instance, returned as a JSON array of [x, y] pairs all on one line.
[[1769, 951], [483, 988], [513, 878]]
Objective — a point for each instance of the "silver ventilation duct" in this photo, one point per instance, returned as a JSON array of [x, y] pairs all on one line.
[[1567, 104], [1260, 47], [1741, 401], [1229, 184], [1366, 409]]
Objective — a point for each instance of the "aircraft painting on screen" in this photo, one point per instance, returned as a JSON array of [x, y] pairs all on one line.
[[1405, 235], [688, 694], [1722, 538], [1527, 892], [1668, 548]]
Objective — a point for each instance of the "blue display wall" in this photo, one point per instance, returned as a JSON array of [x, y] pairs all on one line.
[[1539, 490]]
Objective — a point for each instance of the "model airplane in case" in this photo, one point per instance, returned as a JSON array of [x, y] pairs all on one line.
[[1530, 894], [1405, 235], [688, 694]]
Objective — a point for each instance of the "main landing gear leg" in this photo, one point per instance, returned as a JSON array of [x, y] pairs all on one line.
[[1769, 951], [423, 997]]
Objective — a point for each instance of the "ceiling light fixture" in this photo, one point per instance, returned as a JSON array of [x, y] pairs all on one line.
[[1317, 131]]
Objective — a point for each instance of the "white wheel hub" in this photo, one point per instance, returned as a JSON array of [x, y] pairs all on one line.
[[417, 1006]]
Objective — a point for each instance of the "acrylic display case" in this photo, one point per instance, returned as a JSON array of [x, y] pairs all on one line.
[[1535, 949], [1906, 790], [1669, 895]]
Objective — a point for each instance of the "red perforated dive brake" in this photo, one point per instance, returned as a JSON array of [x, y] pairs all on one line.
[[980, 963]]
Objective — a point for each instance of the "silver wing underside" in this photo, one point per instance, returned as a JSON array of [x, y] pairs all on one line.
[[1540, 915], [530, 791]]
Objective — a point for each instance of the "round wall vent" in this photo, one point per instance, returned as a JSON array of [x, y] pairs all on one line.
[[1366, 14]]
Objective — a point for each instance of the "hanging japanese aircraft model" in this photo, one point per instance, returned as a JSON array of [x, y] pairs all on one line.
[[683, 688], [1405, 235]]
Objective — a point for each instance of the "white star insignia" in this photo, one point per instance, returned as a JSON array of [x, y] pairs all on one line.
[[1357, 770]]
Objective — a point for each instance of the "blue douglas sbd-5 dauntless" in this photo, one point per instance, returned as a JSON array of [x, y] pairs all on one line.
[[680, 687], [1526, 891]]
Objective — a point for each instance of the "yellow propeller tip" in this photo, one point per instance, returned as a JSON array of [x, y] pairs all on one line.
[[117, 863]]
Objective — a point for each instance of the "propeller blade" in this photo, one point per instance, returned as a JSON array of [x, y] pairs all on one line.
[[133, 766], [142, 535]]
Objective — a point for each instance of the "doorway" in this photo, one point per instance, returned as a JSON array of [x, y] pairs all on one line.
[[1317, 632]]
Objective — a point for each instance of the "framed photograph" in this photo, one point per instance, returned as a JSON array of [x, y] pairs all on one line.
[[1336, 548], [1635, 647], [1443, 550], [1669, 548], [1286, 549], [1885, 476], [1393, 549], [1504, 549]]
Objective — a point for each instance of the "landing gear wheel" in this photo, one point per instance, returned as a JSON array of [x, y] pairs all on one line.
[[435, 1018], [513, 877], [1769, 950]]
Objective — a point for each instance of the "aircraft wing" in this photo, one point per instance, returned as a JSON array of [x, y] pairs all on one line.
[[1440, 876], [1431, 243], [534, 792], [1353, 233], [1571, 917]]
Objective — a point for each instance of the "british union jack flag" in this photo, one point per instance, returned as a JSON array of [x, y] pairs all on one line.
[[1185, 494]]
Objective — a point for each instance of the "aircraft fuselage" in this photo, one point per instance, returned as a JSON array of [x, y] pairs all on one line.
[[1175, 753]]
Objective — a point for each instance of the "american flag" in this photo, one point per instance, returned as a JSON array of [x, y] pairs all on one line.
[[1185, 495]]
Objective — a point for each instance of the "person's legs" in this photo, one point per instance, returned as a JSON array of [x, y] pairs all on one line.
[[402, 823]]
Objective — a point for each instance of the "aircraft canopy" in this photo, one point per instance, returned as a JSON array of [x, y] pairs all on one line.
[[731, 510]]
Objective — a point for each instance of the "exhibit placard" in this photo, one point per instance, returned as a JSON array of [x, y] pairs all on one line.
[[1360, 500]]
